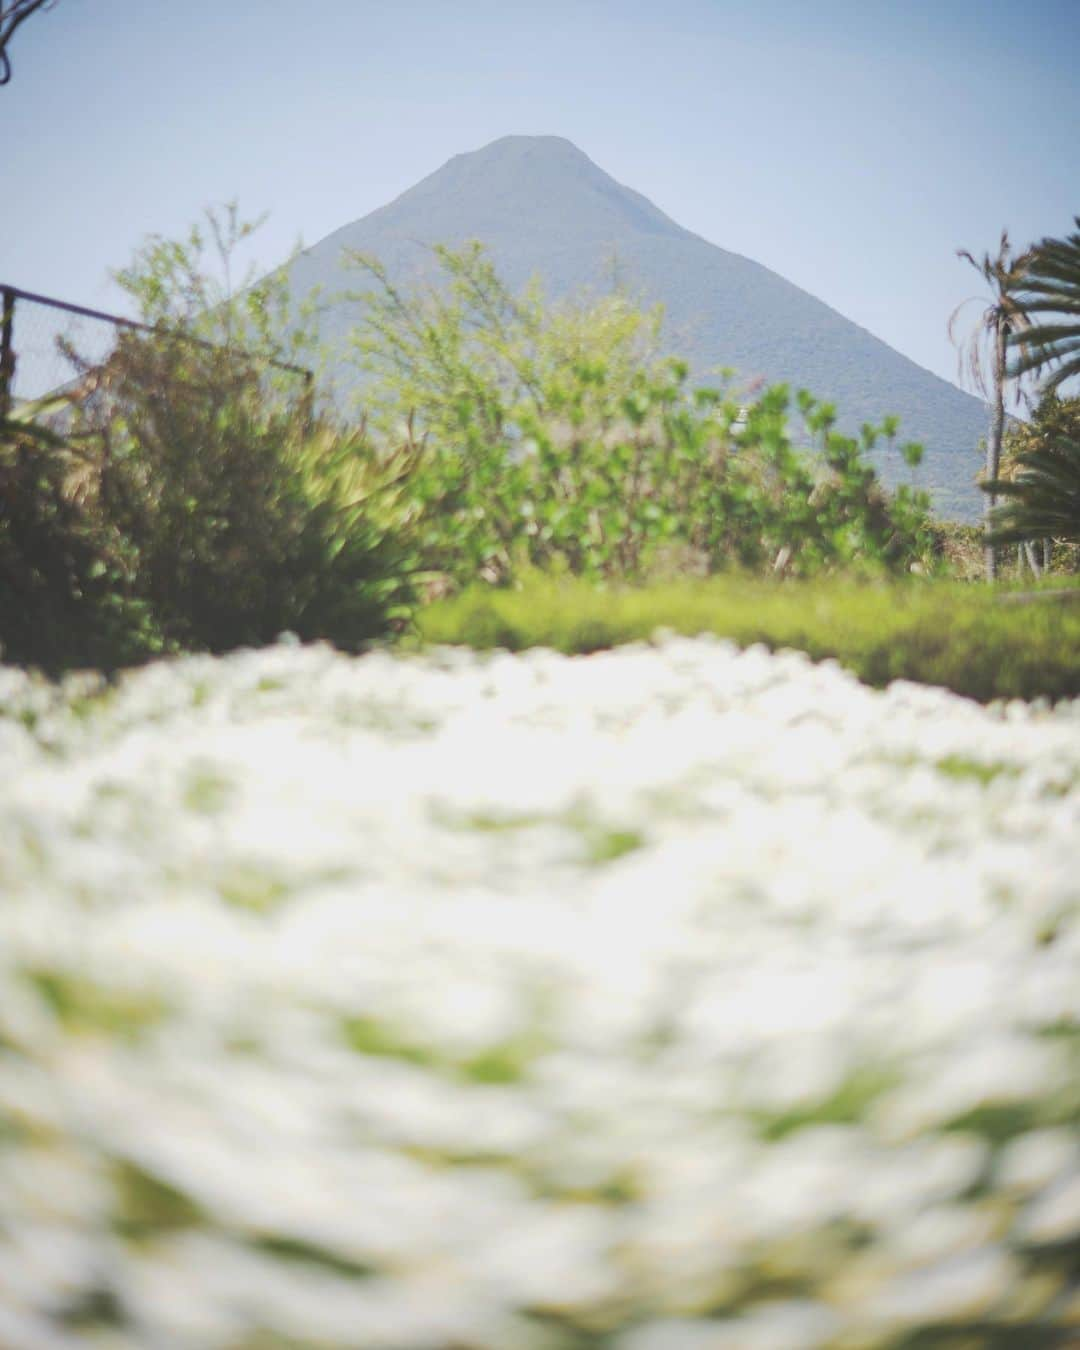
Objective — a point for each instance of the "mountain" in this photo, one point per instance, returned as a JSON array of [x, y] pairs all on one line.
[[544, 208]]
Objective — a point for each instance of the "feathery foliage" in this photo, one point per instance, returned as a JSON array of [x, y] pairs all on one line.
[[557, 437], [1048, 292], [1043, 493]]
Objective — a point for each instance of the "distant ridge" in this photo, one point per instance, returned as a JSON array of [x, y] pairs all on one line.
[[544, 208]]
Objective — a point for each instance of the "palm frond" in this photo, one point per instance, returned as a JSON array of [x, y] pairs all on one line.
[[1043, 500], [1003, 274], [1050, 285]]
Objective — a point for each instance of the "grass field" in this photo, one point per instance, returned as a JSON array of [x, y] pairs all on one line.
[[984, 643]]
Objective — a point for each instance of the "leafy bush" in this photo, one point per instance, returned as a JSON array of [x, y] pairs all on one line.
[[61, 561], [557, 437], [192, 286], [972, 641], [188, 498], [241, 518]]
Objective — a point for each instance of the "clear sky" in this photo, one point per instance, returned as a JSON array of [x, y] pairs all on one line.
[[851, 145]]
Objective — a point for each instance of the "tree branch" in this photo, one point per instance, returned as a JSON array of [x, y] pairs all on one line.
[[11, 16]]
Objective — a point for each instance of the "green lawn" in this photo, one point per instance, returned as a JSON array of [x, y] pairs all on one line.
[[986, 644]]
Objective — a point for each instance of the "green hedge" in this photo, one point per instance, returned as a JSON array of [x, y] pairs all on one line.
[[986, 644]]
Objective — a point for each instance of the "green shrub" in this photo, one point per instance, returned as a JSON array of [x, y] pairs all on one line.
[[192, 500], [557, 437], [980, 643], [62, 598], [186, 520], [240, 517]]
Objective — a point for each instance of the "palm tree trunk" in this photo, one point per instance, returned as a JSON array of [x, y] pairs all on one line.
[[993, 442]]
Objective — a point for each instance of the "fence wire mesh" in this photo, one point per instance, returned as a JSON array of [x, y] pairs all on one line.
[[42, 337], [48, 346]]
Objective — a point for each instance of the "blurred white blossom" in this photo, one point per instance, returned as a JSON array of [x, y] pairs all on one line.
[[675, 998]]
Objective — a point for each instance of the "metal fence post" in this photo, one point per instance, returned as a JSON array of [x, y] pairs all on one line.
[[7, 350]]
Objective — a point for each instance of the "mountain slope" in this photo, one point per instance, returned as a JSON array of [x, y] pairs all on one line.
[[544, 208]]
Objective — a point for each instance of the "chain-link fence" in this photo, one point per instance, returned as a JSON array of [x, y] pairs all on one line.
[[48, 346]]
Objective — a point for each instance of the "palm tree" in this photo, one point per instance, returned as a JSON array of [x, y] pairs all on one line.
[[982, 355], [1043, 498], [1049, 293]]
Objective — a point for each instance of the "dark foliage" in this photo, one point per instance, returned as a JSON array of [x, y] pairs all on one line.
[[185, 508]]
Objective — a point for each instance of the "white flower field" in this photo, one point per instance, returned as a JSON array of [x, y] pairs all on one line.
[[673, 998]]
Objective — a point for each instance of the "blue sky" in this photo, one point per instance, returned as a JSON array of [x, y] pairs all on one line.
[[851, 145]]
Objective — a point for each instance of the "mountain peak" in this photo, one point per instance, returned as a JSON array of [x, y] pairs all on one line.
[[519, 157], [554, 146], [543, 208], [553, 153], [536, 179]]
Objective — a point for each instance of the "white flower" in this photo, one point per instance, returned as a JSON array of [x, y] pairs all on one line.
[[391, 1002]]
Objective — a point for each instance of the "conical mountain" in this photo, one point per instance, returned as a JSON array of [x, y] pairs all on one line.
[[543, 208]]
